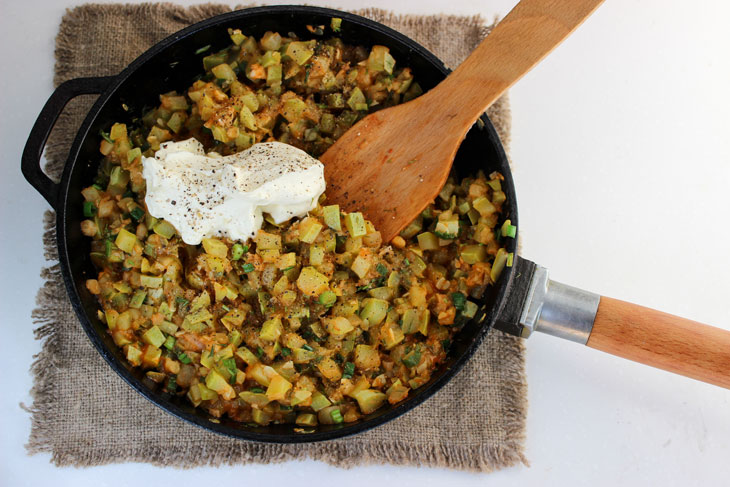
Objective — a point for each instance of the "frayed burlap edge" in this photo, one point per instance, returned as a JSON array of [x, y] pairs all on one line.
[[52, 304]]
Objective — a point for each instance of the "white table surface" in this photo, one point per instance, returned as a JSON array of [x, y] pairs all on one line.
[[622, 155]]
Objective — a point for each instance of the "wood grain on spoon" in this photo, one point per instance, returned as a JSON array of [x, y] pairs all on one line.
[[393, 163]]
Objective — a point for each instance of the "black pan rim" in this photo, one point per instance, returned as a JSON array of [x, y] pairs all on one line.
[[158, 399]]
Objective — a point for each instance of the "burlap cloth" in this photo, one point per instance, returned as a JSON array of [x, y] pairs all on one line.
[[84, 414]]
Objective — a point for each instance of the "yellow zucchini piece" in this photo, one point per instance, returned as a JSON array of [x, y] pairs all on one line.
[[311, 282], [373, 311], [331, 216], [266, 240], [126, 241], [215, 247], [370, 400], [278, 387], [366, 357], [355, 224], [154, 337], [309, 229], [329, 369], [271, 329], [338, 326], [215, 381]]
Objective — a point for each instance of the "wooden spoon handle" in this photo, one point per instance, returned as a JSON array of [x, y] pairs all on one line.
[[525, 36], [661, 340]]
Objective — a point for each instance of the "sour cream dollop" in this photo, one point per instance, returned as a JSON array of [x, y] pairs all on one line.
[[210, 195]]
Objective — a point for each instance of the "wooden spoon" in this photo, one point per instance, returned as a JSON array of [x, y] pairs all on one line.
[[394, 162]]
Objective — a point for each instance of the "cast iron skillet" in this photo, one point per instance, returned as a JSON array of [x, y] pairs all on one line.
[[172, 64]]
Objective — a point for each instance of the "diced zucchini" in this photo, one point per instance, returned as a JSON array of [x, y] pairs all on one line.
[[164, 229], [287, 260], [392, 335], [499, 262], [255, 398], [370, 400], [215, 247], [266, 240], [428, 241], [299, 51], [151, 356], [329, 369], [338, 326], [300, 396], [373, 311], [247, 118], [247, 356], [473, 253], [134, 355], [271, 330], [411, 321], [355, 224], [331, 216], [311, 282], [151, 281], [278, 387], [361, 265], [484, 206], [306, 419], [216, 382], [319, 401], [309, 229], [137, 299], [126, 241], [357, 100], [366, 357]]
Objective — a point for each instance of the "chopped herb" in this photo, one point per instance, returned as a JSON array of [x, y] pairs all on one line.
[[108, 248], [348, 370], [285, 269], [182, 301], [284, 407], [336, 416], [230, 366], [307, 348], [412, 358], [382, 270], [226, 308], [459, 301], [106, 137], [285, 352], [248, 268], [445, 236], [137, 213], [89, 209], [183, 357], [406, 262], [256, 390], [446, 344], [259, 352], [202, 49], [172, 383], [98, 188]]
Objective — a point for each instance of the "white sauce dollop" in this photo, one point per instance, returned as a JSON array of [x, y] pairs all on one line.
[[210, 195]]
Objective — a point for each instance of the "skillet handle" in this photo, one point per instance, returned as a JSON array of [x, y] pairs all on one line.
[[662, 340], [623, 329], [30, 163]]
